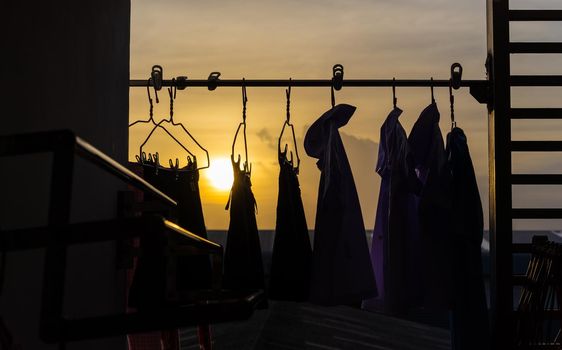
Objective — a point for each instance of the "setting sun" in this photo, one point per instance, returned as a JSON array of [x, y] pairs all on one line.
[[220, 174]]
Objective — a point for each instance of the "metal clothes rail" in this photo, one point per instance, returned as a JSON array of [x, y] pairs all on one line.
[[310, 83], [480, 89]]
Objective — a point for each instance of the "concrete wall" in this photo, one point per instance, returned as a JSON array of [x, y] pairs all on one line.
[[68, 68]]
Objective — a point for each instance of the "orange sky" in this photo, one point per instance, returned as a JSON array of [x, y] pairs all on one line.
[[304, 39]]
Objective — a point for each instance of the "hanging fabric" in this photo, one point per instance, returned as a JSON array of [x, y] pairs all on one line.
[[157, 279], [341, 265], [432, 259], [243, 267], [395, 221], [469, 321], [292, 254]]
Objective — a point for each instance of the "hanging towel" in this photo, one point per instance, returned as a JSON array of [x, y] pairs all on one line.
[[243, 267], [394, 236], [470, 327], [341, 265], [292, 254], [192, 272], [434, 210]]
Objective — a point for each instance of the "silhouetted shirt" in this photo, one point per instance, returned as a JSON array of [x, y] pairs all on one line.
[[434, 210], [341, 265], [394, 241], [470, 327], [292, 254]]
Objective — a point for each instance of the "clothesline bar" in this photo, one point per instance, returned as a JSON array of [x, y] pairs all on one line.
[[312, 83]]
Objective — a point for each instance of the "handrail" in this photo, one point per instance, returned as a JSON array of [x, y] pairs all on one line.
[[52, 141]]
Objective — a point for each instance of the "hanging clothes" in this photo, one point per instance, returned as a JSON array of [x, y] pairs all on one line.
[[341, 265], [292, 254], [243, 267], [433, 208], [182, 184], [150, 285], [392, 253], [470, 327]]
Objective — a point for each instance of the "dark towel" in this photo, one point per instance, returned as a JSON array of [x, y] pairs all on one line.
[[292, 254]]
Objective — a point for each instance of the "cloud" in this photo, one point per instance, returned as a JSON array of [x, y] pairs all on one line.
[[264, 136]]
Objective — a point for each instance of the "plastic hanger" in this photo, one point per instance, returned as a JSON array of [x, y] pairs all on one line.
[[172, 93], [247, 166], [288, 123]]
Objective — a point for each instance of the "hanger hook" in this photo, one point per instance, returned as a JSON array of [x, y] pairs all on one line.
[[452, 101], [394, 99], [288, 94], [431, 87], [151, 111], [244, 99], [243, 126], [172, 93]]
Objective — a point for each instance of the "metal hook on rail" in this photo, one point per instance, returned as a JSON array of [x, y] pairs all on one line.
[[456, 75], [337, 76], [213, 80], [157, 76], [181, 82]]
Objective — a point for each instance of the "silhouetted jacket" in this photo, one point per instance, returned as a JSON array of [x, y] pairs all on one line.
[[395, 244], [433, 208], [470, 328], [341, 265]]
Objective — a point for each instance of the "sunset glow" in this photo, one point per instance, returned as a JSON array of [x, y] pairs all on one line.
[[220, 174]]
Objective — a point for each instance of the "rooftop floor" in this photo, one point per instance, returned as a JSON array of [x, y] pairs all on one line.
[[288, 325]]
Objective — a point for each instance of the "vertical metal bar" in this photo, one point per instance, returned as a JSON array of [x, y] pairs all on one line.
[[55, 256], [499, 137]]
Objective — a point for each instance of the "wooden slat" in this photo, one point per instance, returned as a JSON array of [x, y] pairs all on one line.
[[535, 80], [535, 47], [535, 113], [535, 15], [536, 146], [536, 213], [536, 179]]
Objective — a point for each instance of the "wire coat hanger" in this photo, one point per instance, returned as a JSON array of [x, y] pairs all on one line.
[[141, 156], [172, 93], [288, 123], [247, 166], [150, 119]]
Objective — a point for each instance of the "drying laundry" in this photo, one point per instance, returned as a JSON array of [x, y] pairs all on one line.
[[292, 254], [395, 244], [192, 272], [243, 267], [433, 208], [341, 265], [470, 327]]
